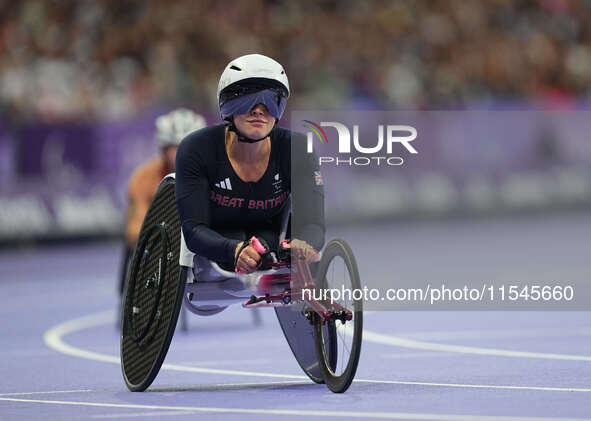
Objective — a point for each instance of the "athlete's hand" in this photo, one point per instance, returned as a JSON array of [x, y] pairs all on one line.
[[309, 252], [249, 260]]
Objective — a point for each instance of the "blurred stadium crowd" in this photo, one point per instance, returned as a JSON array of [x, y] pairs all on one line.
[[72, 59], [81, 82]]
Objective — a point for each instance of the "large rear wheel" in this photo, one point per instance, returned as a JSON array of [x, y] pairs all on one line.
[[338, 272], [153, 292]]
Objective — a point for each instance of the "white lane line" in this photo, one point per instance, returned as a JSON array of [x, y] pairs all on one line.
[[50, 392], [225, 386], [480, 386], [177, 367], [141, 414], [304, 413], [526, 332], [430, 346], [53, 338], [426, 354], [250, 361]]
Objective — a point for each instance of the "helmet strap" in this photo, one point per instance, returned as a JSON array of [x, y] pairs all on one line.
[[241, 138]]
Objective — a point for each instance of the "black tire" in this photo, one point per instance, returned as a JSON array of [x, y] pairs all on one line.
[[338, 369], [153, 292]]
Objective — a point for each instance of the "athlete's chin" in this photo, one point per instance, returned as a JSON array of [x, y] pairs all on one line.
[[257, 133]]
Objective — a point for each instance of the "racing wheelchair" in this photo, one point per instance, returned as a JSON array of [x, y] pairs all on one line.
[[324, 334]]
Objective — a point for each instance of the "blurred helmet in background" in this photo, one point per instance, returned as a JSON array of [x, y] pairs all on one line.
[[171, 128], [250, 80]]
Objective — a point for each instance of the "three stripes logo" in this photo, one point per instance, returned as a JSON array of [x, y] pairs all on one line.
[[224, 184]]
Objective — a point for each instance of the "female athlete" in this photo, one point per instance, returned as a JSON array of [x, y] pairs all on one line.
[[233, 180]]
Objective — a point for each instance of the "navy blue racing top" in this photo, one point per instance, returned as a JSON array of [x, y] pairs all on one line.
[[218, 210]]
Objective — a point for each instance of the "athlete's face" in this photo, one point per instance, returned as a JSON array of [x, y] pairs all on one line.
[[257, 123], [169, 156]]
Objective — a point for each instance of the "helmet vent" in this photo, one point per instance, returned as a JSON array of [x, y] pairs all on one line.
[[235, 68]]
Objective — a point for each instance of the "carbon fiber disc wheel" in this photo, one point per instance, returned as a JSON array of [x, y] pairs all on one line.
[[299, 333], [153, 293]]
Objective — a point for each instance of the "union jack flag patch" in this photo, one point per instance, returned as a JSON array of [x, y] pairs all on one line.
[[318, 178]]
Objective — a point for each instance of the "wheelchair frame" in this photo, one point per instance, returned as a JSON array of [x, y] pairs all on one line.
[[216, 288]]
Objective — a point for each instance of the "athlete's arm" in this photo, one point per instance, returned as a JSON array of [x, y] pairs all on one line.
[[192, 197], [307, 189], [137, 207]]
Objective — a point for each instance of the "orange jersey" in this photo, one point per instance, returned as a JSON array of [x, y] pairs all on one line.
[[141, 189]]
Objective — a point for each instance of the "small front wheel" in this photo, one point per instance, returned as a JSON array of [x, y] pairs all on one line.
[[338, 272]]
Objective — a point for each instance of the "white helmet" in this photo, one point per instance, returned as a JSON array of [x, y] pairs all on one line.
[[171, 128], [252, 70]]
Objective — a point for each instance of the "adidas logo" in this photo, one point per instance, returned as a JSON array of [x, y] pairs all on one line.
[[224, 184]]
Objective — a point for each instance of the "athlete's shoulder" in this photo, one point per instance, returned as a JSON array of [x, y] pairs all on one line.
[[153, 167], [285, 134], [201, 142], [295, 141], [205, 135], [145, 176]]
